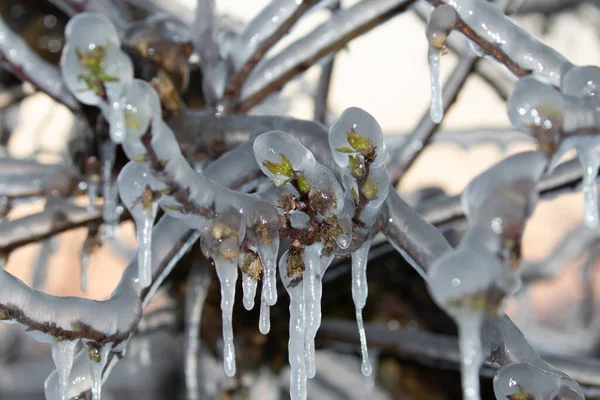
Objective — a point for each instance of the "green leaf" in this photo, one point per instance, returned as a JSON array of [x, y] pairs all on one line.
[[360, 143], [303, 185], [283, 168], [370, 189], [354, 195], [345, 150]]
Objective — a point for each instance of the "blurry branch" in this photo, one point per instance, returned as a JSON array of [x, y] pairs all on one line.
[[340, 29], [432, 349], [550, 6], [22, 61], [237, 81], [426, 128], [444, 211], [50, 222], [26, 178]]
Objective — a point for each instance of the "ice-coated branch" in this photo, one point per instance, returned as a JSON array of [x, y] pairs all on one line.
[[30, 67], [50, 222], [485, 24], [342, 27], [259, 36], [415, 238]]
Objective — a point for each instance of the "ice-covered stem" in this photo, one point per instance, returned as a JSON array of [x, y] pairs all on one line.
[[485, 24], [342, 27], [415, 238], [26, 178], [259, 36], [30, 67]]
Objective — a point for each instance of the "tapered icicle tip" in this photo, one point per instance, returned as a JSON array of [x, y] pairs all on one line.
[[437, 106], [227, 271]]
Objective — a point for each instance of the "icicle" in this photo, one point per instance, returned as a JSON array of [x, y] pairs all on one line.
[[437, 105], [441, 22], [138, 190], [313, 288], [471, 354], [296, 346], [227, 272], [249, 289], [109, 191], [360, 291], [590, 161], [62, 354], [117, 119], [264, 324], [98, 359]]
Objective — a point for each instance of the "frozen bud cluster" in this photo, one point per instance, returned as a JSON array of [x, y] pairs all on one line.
[[356, 142], [441, 22]]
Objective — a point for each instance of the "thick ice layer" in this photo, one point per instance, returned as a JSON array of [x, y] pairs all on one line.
[[109, 190], [227, 273], [360, 291], [264, 322], [249, 289], [96, 368], [489, 22], [440, 23], [471, 354], [582, 82]]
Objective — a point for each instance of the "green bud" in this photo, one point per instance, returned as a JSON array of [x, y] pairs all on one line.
[[345, 150], [283, 168], [303, 185], [357, 167], [360, 143], [370, 189]]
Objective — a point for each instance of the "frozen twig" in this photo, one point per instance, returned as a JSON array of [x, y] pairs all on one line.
[[329, 37]]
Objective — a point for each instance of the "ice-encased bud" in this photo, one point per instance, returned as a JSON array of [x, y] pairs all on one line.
[[356, 133], [142, 106], [582, 82], [440, 23], [92, 64], [526, 381], [283, 158], [468, 280], [534, 105]]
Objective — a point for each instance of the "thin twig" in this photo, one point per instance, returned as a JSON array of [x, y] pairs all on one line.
[[237, 81], [307, 59]]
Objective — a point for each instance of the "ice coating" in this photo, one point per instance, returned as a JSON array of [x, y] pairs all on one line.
[[249, 289], [142, 105], [138, 190], [437, 105], [355, 121], [582, 82], [84, 264], [471, 354], [227, 273], [279, 155], [264, 322], [490, 23], [296, 345], [259, 29], [440, 23], [360, 291], [62, 354]]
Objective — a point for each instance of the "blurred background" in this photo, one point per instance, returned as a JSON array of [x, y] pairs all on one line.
[[384, 72]]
